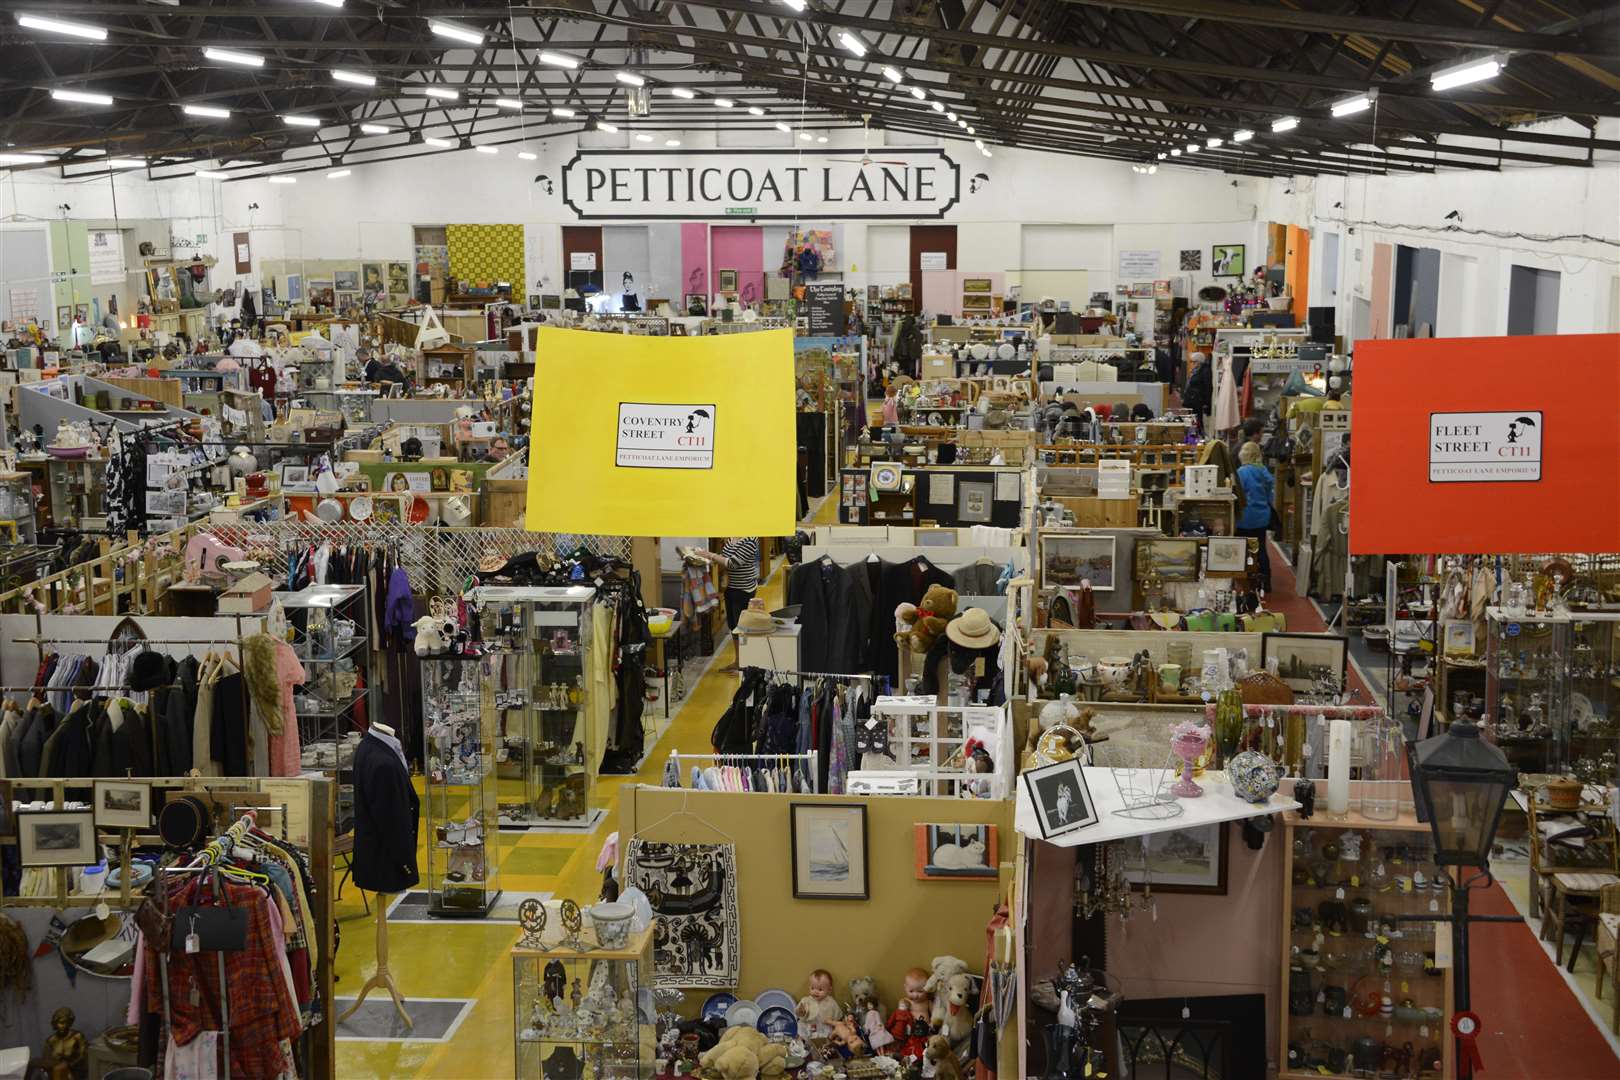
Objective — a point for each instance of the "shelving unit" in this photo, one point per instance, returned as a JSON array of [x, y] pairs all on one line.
[[612, 986], [332, 633], [1527, 689], [459, 788], [928, 740]]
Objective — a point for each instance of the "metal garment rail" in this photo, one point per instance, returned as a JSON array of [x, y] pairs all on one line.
[[676, 757]]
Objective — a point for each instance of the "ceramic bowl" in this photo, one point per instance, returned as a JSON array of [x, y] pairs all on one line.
[[1113, 669]]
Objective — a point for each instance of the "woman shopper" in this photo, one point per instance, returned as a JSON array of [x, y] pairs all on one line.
[[740, 557], [1257, 485]]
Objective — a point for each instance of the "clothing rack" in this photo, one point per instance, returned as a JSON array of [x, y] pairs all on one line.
[[814, 674], [772, 760]]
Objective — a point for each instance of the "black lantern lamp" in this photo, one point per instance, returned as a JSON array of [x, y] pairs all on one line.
[[1459, 785]]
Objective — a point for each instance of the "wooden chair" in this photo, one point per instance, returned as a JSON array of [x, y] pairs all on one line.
[[1574, 897], [1608, 949]]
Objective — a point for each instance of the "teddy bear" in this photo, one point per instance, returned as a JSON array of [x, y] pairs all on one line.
[[743, 1053], [956, 1002], [939, 1052], [927, 622], [942, 968]]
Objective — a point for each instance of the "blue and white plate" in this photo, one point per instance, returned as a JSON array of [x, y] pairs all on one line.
[[716, 1006], [774, 999], [743, 1013], [776, 1021]]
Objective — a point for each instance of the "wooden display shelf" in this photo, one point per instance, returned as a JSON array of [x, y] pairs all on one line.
[[634, 949]]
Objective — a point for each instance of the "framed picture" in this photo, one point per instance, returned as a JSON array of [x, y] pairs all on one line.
[[1061, 799], [829, 852], [56, 837], [902, 290], [1180, 861], [728, 281], [695, 302], [973, 501], [1172, 560], [1301, 658], [346, 280], [399, 278], [1228, 554], [1074, 560], [371, 277], [1192, 258], [934, 537], [123, 804], [956, 852], [294, 476], [873, 294], [1460, 639], [1226, 260], [977, 285], [886, 475]]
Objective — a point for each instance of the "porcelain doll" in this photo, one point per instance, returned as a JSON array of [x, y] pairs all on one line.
[[818, 1009], [863, 992], [908, 1023]]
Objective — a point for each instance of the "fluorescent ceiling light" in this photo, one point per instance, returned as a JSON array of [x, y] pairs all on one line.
[[1214, 144], [375, 129], [805, 136], [126, 163], [603, 125], [60, 26], [1242, 136], [893, 75], [821, 138], [1192, 148], [206, 110], [207, 175], [851, 42], [629, 78], [1163, 156], [796, 5], [354, 77], [562, 112], [917, 92], [1152, 169], [231, 56], [938, 106], [682, 92], [672, 142], [442, 144], [329, 3], [1351, 106], [22, 159], [986, 153], [642, 136], [724, 103], [487, 149], [1176, 152], [783, 127], [441, 93], [338, 175], [284, 179], [755, 110], [558, 60], [302, 121], [970, 130], [979, 143], [79, 97], [1472, 72], [962, 124], [1287, 123], [508, 103], [457, 33], [950, 116], [525, 155]]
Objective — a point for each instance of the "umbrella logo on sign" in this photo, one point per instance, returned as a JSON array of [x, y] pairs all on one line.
[[1513, 428], [691, 420]]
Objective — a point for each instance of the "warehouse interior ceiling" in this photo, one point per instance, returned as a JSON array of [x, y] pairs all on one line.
[[243, 89]]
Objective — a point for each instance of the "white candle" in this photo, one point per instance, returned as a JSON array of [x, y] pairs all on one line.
[[1338, 782]]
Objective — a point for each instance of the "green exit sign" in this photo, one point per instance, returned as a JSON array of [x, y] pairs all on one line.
[[742, 211]]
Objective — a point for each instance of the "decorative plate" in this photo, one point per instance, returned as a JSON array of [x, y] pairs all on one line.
[[778, 1020], [1005, 351], [716, 1005], [886, 476], [981, 351], [360, 507], [742, 1014], [774, 999]]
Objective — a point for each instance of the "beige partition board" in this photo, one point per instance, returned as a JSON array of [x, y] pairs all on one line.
[[906, 923]]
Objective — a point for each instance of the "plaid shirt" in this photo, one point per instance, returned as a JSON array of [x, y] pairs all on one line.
[[262, 1013]]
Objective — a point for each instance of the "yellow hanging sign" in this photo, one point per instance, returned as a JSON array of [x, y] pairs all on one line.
[[663, 436]]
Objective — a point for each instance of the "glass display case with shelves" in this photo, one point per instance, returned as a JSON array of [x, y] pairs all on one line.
[[540, 642], [1527, 688], [459, 718], [585, 1011], [332, 635], [1362, 995], [1594, 697]]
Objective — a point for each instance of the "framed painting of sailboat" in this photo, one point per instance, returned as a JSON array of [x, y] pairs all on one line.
[[829, 852]]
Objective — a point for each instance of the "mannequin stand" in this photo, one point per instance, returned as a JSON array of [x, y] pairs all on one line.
[[382, 977]]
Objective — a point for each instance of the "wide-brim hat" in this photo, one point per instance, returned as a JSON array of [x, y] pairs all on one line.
[[755, 619], [973, 629], [491, 562]]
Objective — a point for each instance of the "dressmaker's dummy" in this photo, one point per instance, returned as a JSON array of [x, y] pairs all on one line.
[[386, 809]]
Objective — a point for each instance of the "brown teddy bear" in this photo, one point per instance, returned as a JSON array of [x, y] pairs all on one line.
[[927, 622]]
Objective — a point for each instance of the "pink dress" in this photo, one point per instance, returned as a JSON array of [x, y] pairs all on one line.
[[285, 753]]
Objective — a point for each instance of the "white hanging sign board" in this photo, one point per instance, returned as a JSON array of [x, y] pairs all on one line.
[[106, 257], [582, 260], [932, 260], [1139, 265]]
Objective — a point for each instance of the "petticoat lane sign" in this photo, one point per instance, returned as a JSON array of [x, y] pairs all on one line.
[[765, 184]]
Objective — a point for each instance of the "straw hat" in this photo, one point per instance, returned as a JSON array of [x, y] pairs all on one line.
[[973, 630], [756, 620]]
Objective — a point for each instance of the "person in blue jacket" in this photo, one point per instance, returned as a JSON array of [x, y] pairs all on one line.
[[1257, 485]]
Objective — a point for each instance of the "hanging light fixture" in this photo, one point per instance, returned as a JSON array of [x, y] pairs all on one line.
[[1463, 74]]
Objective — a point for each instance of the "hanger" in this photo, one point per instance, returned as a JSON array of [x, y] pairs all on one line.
[[642, 830]]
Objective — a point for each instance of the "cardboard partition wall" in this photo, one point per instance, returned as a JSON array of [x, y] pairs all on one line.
[[1486, 445]]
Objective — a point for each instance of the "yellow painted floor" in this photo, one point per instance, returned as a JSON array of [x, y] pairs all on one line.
[[469, 958]]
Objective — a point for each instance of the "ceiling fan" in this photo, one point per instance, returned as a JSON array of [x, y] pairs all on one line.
[[866, 157]]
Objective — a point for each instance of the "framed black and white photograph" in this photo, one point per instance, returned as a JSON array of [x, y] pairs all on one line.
[[123, 804], [1179, 861], [57, 837], [1228, 554], [1061, 798], [1304, 659], [1070, 561], [829, 852], [1226, 260], [294, 477], [956, 852], [346, 280], [973, 501]]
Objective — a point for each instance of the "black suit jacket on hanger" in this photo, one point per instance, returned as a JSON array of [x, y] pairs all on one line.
[[386, 809], [826, 635]]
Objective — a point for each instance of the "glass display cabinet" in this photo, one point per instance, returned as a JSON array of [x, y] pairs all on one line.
[[539, 639], [1363, 995], [1594, 698], [458, 725], [331, 631], [582, 1010], [1527, 688]]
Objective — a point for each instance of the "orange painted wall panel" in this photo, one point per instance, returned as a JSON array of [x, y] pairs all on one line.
[[1573, 380], [1297, 272]]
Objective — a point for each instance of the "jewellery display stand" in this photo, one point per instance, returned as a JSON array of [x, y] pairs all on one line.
[[332, 634], [1527, 688], [584, 1010], [540, 640], [1362, 995], [459, 790]]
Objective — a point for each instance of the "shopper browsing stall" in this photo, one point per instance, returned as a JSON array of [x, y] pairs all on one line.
[[1257, 485]]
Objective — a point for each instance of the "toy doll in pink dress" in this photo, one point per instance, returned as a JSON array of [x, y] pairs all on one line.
[[863, 992]]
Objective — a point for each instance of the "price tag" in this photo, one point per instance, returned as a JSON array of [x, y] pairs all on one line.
[[1442, 948], [1338, 894]]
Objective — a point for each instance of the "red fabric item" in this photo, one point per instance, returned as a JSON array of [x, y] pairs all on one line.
[[902, 1025]]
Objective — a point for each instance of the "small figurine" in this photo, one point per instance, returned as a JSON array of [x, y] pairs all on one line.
[[575, 995], [863, 991], [846, 1040], [65, 1048], [818, 1009], [908, 1023]]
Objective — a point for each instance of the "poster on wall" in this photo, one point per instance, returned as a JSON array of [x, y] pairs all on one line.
[[1138, 265], [244, 254], [106, 257], [694, 891], [932, 260], [399, 279]]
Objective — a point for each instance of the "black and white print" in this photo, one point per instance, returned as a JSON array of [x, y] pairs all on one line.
[[693, 890], [1060, 797]]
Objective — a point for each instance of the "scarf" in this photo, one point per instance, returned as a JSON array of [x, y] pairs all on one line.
[[259, 664]]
